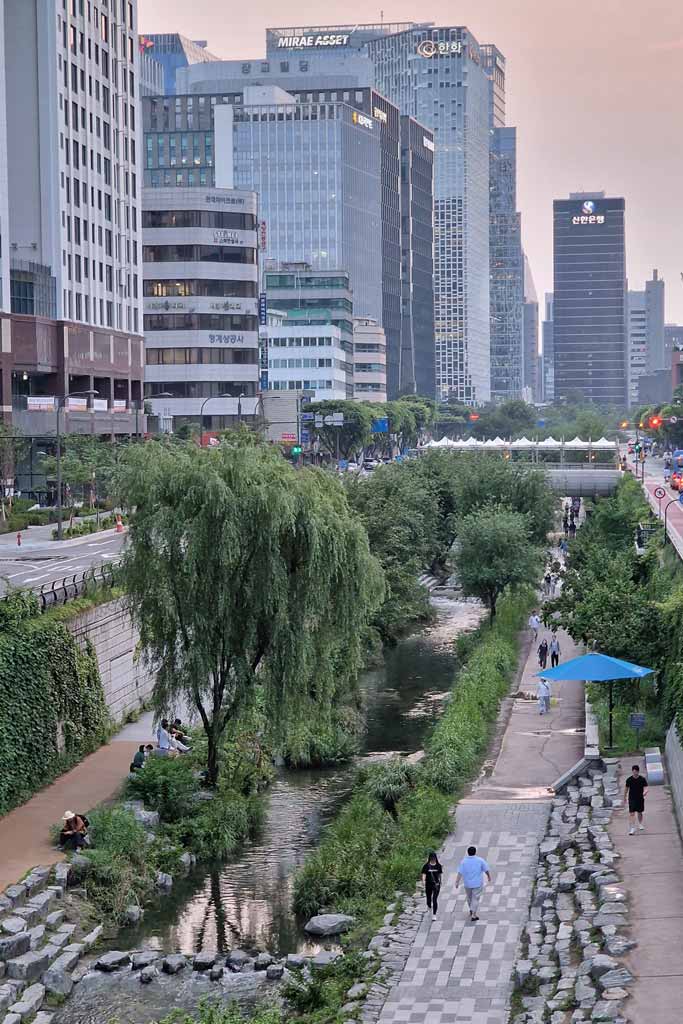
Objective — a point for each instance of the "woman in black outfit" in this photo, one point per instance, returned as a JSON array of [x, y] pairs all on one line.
[[431, 876]]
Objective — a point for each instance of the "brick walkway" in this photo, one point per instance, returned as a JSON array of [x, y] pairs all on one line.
[[25, 831], [460, 972]]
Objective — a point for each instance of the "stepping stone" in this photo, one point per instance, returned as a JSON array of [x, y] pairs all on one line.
[[112, 961], [174, 963], [13, 925], [145, 958], [31, 1001], [28, 966]]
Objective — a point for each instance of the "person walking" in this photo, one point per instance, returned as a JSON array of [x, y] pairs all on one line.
[[565, 524], [635, 790], [471, 871], [431, 876], [572, 530], [535, 624], [543, 693], [543, 653], [554, 651], [547, 580]]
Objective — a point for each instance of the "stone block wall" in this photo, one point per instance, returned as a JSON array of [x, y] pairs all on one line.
[[674, 764], [126, 678]]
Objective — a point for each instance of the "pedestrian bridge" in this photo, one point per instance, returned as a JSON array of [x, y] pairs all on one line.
[[583, 481]]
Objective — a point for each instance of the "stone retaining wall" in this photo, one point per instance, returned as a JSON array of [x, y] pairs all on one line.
[[674, 764], [126, 679]]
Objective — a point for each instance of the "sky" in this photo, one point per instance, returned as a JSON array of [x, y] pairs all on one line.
[[595, 88]]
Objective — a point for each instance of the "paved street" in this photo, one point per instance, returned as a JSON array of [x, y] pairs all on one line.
[[459, 972], [41, 560]]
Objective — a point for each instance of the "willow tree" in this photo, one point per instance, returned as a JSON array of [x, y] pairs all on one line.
[[243, 572]]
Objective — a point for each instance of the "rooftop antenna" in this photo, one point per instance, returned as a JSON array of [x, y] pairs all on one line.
[[381, 17]]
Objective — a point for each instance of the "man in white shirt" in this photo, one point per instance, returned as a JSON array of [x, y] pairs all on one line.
[[164, 739], [471, 871], [543, 696], [535, 624]]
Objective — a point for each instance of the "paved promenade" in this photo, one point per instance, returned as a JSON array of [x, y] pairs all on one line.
[[458, 972], [25, 831], [651, 870]]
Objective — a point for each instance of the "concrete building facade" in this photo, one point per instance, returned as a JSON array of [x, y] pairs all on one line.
[[530, 381], [548, 354], [201, 305], [369, 361], [175, 52]]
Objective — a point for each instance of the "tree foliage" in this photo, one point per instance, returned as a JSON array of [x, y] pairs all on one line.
[[494, 550], [244, 573]]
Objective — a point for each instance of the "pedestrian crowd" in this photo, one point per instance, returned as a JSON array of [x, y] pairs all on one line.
[[172, 740]]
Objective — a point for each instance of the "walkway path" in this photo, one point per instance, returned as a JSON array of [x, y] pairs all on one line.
[[651, 870], [461, 972], [25, 831]]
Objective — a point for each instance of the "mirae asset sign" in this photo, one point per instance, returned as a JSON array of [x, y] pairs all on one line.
[[305, 41]]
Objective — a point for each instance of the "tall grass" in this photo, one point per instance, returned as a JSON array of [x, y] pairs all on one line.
[[382, 835]]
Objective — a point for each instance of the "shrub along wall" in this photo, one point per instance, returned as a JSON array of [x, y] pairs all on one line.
[[394, 815], [52, 708]]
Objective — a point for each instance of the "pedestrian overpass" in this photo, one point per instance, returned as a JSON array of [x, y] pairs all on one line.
[[582, 481]]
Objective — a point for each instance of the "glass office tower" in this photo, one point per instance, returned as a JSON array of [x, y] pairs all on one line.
[[437, 75], [589, 318], [507, 269]]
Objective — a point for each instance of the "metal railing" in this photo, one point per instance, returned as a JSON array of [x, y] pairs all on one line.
[[60, 591]]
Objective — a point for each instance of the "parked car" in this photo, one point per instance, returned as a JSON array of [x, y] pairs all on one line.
[[675, 481], [370, 464]]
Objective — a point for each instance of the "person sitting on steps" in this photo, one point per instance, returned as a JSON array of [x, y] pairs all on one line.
[[74, 832]]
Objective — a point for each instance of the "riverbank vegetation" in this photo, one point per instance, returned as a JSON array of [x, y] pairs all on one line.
[[396, 813], [628, 603]]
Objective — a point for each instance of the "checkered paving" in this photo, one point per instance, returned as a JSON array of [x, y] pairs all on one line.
[[458, 971]]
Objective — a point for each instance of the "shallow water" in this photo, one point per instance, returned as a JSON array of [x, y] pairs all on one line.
[[246, 901]]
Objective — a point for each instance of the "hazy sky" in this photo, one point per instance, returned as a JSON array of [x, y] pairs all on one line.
[[595, 88]]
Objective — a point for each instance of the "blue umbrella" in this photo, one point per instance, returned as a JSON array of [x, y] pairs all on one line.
[[596, 668]]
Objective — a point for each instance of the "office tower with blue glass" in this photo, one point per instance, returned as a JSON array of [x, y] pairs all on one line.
[[174, 51], [437, 75]]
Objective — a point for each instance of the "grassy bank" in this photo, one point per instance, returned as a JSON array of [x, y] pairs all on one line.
[[396, 813]]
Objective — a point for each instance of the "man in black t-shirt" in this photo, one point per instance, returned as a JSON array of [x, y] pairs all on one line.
[[636, 788]]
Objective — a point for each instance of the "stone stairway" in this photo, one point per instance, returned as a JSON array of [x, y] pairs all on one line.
[[38, 948]]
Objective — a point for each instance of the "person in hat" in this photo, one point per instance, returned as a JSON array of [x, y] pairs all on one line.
[[74, 832]]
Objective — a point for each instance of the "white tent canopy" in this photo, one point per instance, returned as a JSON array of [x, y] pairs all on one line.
[[576, 443], [604, 443], [523, 442], [549, 442]]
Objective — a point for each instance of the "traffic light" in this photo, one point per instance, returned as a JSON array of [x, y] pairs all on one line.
[[655, 422], [473, 417], [624, 424], [296, 451]]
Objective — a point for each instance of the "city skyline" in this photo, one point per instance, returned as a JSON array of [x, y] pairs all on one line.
[[597, 93]]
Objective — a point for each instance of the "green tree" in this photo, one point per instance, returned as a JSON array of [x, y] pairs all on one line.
[[244, 576], [13, 446], [349, 439], [493, 551]]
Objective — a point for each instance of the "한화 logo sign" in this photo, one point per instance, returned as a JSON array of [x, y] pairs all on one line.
[[438, 48]]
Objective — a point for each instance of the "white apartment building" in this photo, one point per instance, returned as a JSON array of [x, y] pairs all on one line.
[[72, 122], [200, 287], [369, 361], [637, 343]]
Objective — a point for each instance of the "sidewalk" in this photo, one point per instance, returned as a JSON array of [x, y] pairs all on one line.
[[458, 971], [25, 831], [37, 542], [651, 870]]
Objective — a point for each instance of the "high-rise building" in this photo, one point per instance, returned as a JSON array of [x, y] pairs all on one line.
[[174, 52], [531, 386], [509, 367], [656, 340], [548, 357], [637, 343], [150, 69], [416, 369], [369, 361], [201, 305], [591, 355], [69, 215], [437, 76], [673, 340], [405, 238]]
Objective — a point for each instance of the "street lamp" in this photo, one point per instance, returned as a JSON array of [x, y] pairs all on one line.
[[61, 401], [239, 408], [201, 413]]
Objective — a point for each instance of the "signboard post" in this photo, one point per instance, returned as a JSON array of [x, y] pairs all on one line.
[[659, 493], [637, 722]]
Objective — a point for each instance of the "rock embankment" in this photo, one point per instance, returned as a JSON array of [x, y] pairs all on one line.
[[568, 969]]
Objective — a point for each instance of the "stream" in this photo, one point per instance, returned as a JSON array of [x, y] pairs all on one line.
[[246, 901]]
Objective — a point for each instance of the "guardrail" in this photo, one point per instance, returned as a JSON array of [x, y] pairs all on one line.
[[60, 591]]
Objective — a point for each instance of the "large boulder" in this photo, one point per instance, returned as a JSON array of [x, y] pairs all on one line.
[[329, 924], [173, 963], [28, 966], [112, 961]]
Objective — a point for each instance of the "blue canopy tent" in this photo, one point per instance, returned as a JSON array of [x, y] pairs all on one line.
[[596, 668]]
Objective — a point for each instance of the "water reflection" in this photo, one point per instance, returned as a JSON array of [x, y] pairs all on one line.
[[246, 902]]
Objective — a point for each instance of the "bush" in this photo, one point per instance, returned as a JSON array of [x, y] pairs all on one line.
[[122, 869], [389, 781], [167, 785]]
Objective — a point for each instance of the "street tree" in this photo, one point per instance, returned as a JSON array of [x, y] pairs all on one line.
[[245, 577], [13, 446], [349, 439], [494, 550]]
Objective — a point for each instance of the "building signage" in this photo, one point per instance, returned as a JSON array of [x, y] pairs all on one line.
[[305, 42], [379, 114], [263, 309], [361, 119], [263, 236], [226, 339], [225, 200], [588, 214], [223, 237], [168, 306], [427, 143], [224, 307], [40, 403], [438, 47]]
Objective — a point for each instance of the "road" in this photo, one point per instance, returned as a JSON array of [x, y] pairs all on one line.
[[41, 560]]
